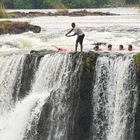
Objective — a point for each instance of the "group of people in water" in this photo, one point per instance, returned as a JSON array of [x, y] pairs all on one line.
[[80, 37], [109, 48]]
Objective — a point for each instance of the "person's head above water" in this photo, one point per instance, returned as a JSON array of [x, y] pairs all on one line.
[[109, 47], [96, 48], [130, 48], [73, 25], [121, 47]]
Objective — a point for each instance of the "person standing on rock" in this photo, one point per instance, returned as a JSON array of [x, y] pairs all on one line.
[[80, 36]]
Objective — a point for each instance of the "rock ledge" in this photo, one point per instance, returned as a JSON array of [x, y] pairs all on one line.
[[17, 27]]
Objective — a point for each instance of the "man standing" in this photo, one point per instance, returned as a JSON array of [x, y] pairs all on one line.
[[80, 35]]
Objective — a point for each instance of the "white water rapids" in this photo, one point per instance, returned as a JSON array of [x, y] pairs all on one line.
[[121, 29]]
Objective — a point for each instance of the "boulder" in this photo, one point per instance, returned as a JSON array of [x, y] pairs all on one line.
[[17, 27]]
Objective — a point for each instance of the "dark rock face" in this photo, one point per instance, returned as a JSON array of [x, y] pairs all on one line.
[[83, 116], [137, 113], [35, 29], [29, 68], [77, 119]]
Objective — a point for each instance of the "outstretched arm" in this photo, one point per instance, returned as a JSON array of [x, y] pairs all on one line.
[[71, 35], [55, 47], [69, 32]]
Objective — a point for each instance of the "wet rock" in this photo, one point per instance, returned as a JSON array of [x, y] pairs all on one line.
[[10, 27], [41, 52], [137, 112], [86, 13], [58, 13], [23, 14], [35, 29]]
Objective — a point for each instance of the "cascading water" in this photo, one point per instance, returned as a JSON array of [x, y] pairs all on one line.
[[66, 96], [52, 76], [10, 73], [114, 98], [64, 77], [72, 96]]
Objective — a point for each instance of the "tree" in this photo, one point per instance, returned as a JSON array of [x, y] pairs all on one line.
[[36, 4], [132, 1], [21, 4], [101, 3]]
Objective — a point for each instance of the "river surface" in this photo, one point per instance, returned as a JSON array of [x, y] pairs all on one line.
[[121, 29]]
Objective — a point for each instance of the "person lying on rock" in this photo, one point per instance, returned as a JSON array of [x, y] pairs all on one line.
[[59, 49], [80, 35]]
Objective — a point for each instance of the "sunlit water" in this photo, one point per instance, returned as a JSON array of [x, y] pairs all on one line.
[[122, 29]]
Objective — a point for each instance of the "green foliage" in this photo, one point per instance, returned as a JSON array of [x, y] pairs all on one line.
[[57, 4], [137, 61], [3, 25], [87, 62], [64, 4], [79, 3], [3, 12], [22, 4], [117, 2], [101, 3]]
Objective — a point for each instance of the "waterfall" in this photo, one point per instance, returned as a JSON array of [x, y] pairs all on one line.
[[59, 109], [10, 73], [52, 75], [114, 98], [68, 96]]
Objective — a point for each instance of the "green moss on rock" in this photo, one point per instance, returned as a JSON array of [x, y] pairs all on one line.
[[137, 61], [88, 61]]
